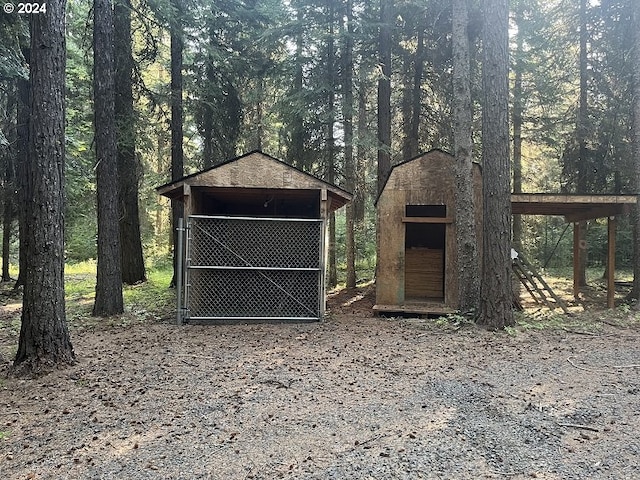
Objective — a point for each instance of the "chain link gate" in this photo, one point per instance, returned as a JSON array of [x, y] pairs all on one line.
[[253, 268]]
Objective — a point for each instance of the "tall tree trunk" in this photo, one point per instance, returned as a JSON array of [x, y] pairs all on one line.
[[8, 174], [635, 294], [331, 150], [44, 337], [108, 299], [22, 157], [259, 114], [349, 164], [363, 150], [161, 168], [384, 102], [496, 291], [416, 97], [7, 222], [582, 131], [177, 153], [466, 241], [129, 169], [405, 104], [516, 118], [296, 154], [207, 114], [384, 92]]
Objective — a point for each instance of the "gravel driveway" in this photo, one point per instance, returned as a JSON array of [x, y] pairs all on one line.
[[353, 397]]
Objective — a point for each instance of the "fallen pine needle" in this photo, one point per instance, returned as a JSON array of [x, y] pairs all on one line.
[[579, 426], [600, 370], [193, 356]]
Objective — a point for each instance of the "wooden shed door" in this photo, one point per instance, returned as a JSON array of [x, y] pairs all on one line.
[[425, 227]]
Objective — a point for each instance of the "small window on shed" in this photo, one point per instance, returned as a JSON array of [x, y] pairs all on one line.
[[426, 210]]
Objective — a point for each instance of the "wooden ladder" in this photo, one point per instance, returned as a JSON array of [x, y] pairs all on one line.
[[535, 284]]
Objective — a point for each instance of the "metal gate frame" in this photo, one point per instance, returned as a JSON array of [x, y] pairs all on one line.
[[234, 263]]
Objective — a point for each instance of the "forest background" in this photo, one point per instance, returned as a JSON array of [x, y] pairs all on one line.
[[296, 79]]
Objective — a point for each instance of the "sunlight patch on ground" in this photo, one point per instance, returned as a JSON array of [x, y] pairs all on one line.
[[11, 307], [353, 299]]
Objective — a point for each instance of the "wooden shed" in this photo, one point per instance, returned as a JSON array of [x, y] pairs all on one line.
[[417, 260], [253, 241]]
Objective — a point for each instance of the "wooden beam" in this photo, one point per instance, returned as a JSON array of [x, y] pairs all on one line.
[[417, 308], [567, 199], [611, 262], [324, 204], [440, 220], [599, 211], [173, 190]]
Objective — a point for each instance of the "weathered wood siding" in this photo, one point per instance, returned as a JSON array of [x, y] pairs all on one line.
[[257, 171], [254, 171], [390, 271], [424, 274], [425, 180]]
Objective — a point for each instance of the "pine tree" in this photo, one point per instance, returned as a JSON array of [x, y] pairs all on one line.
[[177, 152], [636, 150], [7, 163], [496, 294], [44, 337], [349, 161], [384, 91], [466, 242], [109, 300], [129, 169]]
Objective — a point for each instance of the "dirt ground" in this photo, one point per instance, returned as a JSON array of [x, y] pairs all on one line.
[[352, 397]]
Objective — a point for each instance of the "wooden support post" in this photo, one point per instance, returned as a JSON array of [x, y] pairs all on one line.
[[324, 242], [324, 204], [611, 262], [179, 271], [187, 202], [576, 259]]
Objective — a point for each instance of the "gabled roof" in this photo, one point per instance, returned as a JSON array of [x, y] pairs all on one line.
[[421, 156], [255, 170]]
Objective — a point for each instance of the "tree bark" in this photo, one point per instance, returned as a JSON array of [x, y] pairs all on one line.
[[582, 131], [349, 164], [384, 102], [296, 152], [416, 97], [635, 294], [405, 103], [466, 241], [22, 155], [516, 119], [207, 107], [129, 169], [259, 114], [8, 173], [496, 294], [363, 153], [331, 150], [44, 337], [384, 92], [177, 153], [108, 299]]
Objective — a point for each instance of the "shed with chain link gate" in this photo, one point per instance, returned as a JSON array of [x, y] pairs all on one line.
[[252, 244]]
